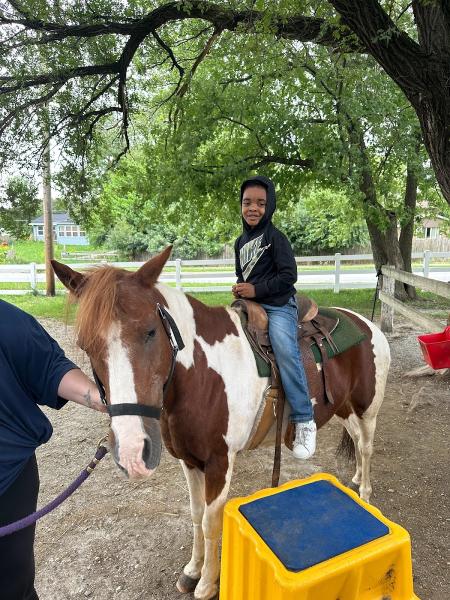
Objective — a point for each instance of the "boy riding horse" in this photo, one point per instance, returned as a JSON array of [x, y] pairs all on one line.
[[266, 273]]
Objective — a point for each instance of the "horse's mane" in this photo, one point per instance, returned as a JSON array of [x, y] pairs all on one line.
[[97, 305]]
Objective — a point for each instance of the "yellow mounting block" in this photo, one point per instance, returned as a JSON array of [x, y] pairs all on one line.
[[312, 539]]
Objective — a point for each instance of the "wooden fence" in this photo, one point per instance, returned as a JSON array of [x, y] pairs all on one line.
[[183, 275], [389, 304]]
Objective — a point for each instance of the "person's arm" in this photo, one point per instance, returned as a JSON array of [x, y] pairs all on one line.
[[77, 387], [286, 267]]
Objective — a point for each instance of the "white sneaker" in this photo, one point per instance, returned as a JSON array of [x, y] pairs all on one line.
[[305, 439]]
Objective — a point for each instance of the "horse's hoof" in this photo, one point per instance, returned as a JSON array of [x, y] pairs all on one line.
[[354, 486], [186, 584], [215, 597], [210, 592]]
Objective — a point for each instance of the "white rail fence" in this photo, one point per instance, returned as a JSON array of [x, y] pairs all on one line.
[[390, 305], [179, 272]]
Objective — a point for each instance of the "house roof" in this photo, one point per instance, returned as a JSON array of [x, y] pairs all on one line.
[[59, 218]]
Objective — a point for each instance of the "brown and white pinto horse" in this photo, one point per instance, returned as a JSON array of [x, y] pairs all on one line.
[[211, 402]]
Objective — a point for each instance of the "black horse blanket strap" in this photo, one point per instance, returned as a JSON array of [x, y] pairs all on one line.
[[142, 410]]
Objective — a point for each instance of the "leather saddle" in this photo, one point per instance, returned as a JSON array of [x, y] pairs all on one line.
[[313, 329], [311, 324]]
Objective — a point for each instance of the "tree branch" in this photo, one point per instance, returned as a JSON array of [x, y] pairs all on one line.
[[399, 55], [296, 27], [61, 77], [4, 123], [255, 162], [170, 53], [304, 163], [200, 58]]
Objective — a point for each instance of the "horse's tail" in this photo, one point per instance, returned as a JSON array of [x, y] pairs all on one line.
[[346, 448]]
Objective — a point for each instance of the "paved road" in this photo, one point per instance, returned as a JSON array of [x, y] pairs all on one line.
[[364, 278], [308, 280]]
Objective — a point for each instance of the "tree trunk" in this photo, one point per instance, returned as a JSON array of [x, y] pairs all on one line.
[[407, 230], [385, 247], [420, 70], [383, 237]]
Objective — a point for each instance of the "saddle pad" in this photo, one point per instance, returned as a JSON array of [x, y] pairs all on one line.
[[345, 335], [264, 368]]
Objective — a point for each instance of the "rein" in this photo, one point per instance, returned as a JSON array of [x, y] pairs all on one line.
[[31, 519], [142, 410]]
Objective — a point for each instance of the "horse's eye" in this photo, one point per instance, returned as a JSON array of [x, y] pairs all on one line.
[[151, 334]]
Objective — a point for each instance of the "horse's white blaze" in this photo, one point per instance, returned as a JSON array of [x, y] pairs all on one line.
[[128, 429], [234, 361], [183, 313]]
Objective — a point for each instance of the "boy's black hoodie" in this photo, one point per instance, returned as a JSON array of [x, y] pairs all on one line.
[[264, 256]]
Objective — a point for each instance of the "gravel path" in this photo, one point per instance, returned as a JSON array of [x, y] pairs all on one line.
[[116, 540]]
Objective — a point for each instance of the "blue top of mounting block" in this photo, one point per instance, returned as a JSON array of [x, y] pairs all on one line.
[[308, 524]]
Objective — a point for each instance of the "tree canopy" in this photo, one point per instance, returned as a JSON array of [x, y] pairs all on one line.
[[308, 117], [91, 63], [19, 203]]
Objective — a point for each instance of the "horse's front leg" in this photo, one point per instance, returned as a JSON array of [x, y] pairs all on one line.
[[217, 484], [192, 571]]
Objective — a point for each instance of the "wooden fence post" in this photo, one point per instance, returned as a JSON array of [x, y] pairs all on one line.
[[426, 263], [387, 312], [33, 278], [337, 272], [178, 273]]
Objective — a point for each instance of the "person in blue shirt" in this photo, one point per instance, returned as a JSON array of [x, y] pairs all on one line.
[[33, 371], [266, 273]]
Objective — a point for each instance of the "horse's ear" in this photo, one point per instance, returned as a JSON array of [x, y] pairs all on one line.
[[151, 270], [70, 278]]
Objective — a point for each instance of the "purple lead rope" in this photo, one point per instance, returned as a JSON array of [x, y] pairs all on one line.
[[27, 521]]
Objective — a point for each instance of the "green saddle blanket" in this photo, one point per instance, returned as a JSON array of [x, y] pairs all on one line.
[[345, 335]]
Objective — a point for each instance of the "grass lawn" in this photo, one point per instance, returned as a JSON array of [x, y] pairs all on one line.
[[29, 251], [41, 306], [359, 300]]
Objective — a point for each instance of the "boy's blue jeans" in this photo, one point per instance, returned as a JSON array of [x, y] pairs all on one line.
[[283, 323]]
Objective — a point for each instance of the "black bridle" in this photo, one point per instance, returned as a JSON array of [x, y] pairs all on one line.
[[142, 410]]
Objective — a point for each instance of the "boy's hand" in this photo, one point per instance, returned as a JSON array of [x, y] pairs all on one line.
[[243, 290]]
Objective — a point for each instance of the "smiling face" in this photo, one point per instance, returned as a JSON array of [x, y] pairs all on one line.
[[254, 200]]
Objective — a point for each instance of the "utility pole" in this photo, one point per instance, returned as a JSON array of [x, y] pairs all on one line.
[[47, 205]]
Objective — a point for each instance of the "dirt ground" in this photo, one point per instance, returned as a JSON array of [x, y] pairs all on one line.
[[116, 540]]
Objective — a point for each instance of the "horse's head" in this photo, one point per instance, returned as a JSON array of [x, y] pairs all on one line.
[[120, 326]]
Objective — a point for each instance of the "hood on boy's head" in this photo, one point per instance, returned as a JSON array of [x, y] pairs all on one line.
[[271, 205]]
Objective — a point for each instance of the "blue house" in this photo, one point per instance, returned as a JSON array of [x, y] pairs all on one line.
[[65, 230]]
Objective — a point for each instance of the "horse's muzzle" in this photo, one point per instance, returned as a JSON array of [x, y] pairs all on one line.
[[140, 458], [151, 454]]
